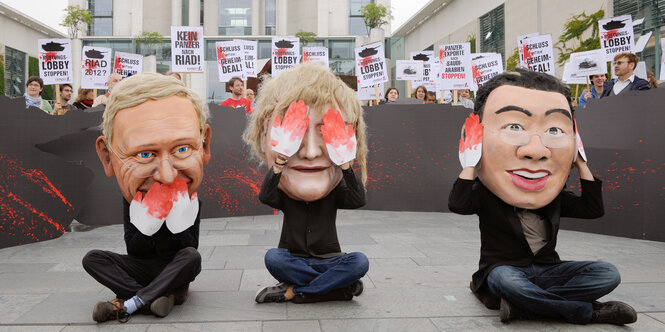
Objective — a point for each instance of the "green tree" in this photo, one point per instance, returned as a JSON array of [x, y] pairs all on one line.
[[2, 74], [375, 15], [513, 61], [149, 40], [76, 19], [471, 38], [33, 70], [571, 40], [305, 37]]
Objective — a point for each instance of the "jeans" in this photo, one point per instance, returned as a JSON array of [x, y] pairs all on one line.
[[564, 290], [316, 276]]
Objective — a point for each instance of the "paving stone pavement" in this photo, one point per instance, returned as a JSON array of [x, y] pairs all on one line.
[[420, 267]]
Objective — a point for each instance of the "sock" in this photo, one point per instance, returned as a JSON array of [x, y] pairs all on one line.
[[133, 304]]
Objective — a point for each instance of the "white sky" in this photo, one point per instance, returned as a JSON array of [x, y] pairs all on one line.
[[50, 12]]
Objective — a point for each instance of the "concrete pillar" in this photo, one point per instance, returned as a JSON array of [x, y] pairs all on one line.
[[281, 13], [77, 48], [176, 13], [149, 64], [323, 13], [211, 17], [137, 18], [195, 13], [256, 17]]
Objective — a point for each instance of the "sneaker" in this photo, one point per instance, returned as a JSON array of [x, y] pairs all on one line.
[[180, 295], [613, 312], [275, 293], [357, 288], [161, 306], [508, 312], [114, 309]]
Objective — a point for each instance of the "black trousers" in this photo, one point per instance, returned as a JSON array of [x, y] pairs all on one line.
[[149, 278]]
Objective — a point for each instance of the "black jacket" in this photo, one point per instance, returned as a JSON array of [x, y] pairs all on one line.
[[502, 240], [162, 244], [309, 228], [638, 84]]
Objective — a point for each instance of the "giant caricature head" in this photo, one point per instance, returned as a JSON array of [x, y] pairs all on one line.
[[310, 174], [154, 130], [528, 137]]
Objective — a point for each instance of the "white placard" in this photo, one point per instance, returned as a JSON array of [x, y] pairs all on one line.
[[368, 93], [520, 46], [317, 54], [408, 70], [55, 61], [431, 86], [662, 59], [371, 65], [642, 41], [588, 63], [455, 66], [616, 36], [641, 70], [250, 49], [428, 59], [485, 66], [569, 76], [96, 67], [187, 53], [230, 60], [285, 54], [539, 54], [127, 64]]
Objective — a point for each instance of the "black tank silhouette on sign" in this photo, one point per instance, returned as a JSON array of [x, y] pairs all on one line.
[[478, 57], [409, 71], [587, 64], [53, 47], [94, 54], [284, 44], [611, 25], [369, 51], [421, 57]]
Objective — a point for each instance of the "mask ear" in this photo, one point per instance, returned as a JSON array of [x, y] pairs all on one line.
[[104, 155], [207, 139]]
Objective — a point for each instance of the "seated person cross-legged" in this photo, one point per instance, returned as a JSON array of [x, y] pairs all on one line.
[[521, 142], [310, 153]]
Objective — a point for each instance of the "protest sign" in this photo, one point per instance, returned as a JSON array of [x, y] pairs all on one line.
[[127, 64], [570, 77], [455, 66], [428, 59], [230, 60], [371, 65], [641, 70], [408, 70], [250, 49], [187, 49], [538, 54], [431, 86], [485, 66], [96, 63], [55, 61], [285, 53], [318, 54], [368, 93], [588, 63], [616, 36], [520, 46]]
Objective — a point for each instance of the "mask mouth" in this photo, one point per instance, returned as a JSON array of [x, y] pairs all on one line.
[[529, 174], [309, 169]]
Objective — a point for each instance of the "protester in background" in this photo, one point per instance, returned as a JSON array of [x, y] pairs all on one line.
[[63, 106], [251, 96], [465, 98], [420, 93], [114, 78], [624, 67], [651, 77], [176, 75], [33, 94], [84, 98], [236, 100], [391, 96], [596, 90], [430, 98]]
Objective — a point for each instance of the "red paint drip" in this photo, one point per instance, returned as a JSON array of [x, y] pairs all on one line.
[[442, 55], [525, 51], [610, 34], [220, 55], [117, 65], [473, 132], [306, 57], [295, 120], [49, 56], [30, 208], [476, 73], [364, 62], [281, 52], [160, 197], [335, 131]]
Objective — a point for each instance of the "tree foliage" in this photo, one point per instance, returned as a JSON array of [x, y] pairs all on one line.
[[375, 15], [471, 38], [305, 37], [571, 40], [76, 18], [149, 40], [513, 61]]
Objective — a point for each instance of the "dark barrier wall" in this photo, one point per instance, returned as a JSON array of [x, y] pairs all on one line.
[[412, 163]]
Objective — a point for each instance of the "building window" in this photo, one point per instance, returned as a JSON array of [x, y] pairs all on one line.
[[235, 17], [653, 13], [356, 23], [14, 72], [270, 18], [102, 18], [492, 36]]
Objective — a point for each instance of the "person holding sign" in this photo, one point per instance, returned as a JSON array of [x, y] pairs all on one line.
[[155, 142], [391, 96], [309, 128], [596, 90], [114, 79], [63, 105], [236, 86], [521, 142], [624, 67], [33, 94]]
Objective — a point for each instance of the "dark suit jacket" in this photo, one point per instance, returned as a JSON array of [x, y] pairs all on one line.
[[638, 84], [502, 240]]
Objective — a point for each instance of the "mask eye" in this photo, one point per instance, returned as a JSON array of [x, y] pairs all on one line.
[[145, 155], [183, 149], [514, 127], [554, 131]]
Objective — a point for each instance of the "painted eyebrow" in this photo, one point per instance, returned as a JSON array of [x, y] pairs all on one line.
[[512, 108], [559, 110]]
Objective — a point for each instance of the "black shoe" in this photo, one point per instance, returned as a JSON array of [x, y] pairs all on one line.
[[613, 312], [180, 295], [275, 293], [114, 309], [162, 306], [490, 301], [356, 288], [341, 294], [508, 312]]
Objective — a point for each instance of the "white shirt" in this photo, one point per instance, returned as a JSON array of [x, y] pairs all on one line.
[[619, 85]]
